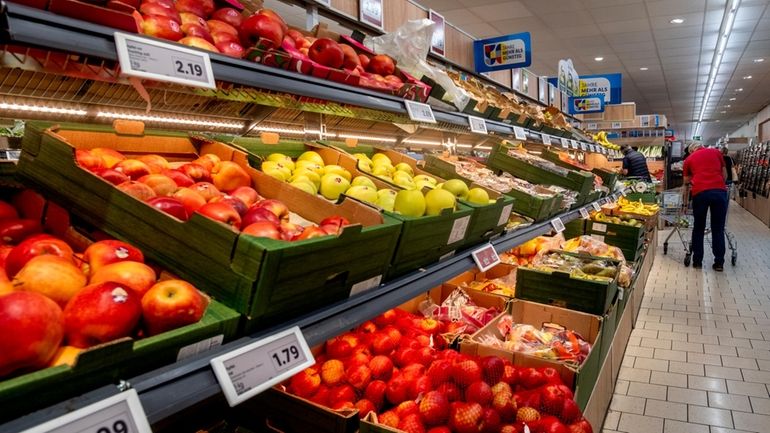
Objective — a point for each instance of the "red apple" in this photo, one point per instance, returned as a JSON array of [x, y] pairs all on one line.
[[333, 225], [223, 38], [88, 160], [180, 179], [196, 172], [191, 200], [232, 49], [216, 26], [157, 163], [364, 60], [133, 168], [100, 313], [206, 189], [236, 204], [15, 230], [159, 10], [137, 190], [172, 304], [208, 161], [310, 233], [394, 80], [228, 15], [202, 8], [222, 212], [257, 214], [33, 329], [198, 42], [136, 276], [248, 195], [188, 18], [161, 184], [53, 276], [351, 60], [169, 4], [170, 205], [228, 175], [111, 176], [198, 31], [275, 17], [382, 65], [261, 26], [8, 211], [277, 207], [327, 52], [290, 230], [108, 251], [263, 229], [110, 156], [161, 27], [33, 246], [295, 34]]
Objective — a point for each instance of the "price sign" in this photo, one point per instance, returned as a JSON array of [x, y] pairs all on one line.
[[591, 126], [486, 257], [505, 215], [155, 60], [599, 227], [558, 225], [420, 112], [584, 213], [245, 372], [478, 125], [519, 133], [459, 227], [546, 139], [574, 144], [596, 206], [583, 146], [564, 143], [365, 285], [624, 191], [617, 125], [122, 413]]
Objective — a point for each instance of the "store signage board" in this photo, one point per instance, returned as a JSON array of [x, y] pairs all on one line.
[[155, 60], [245, 372], [420, 112], [519, 133], [586, 104], [121, 413], [608, 85], [503, 52], [478, 125], [545, 138], [568, 79], [438, 42], [486, 257], [370, 12], [558, 225]]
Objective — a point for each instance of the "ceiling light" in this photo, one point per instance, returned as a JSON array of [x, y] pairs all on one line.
[[643, 69], [724, 33], [732, 99], [747, 77], [759, 60], [728, 105], [677, 21], [723, 112], [42, 109], [425, 142], [598, 59], [483, 148], [739, 89], [465, 146]]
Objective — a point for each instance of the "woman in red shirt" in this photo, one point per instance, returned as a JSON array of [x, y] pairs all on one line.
[[704, 178]]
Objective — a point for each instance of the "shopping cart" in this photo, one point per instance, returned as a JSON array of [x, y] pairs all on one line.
[[681, 220]]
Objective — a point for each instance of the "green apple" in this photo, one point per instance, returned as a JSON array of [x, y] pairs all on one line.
[[332, 185], [273, 165], [424, 184], [310, 165], [305, 185], [403, 176], [365, 165], [402, 166], [361, 157], [381, 157], [437, 200], [363, 180], [312, 157], [283, 159], [440, 186], [308, 173], [456, 187], [363, 193], [405, 183], [382, 170], [410, 203], [425, 178], [478, 196], [386, 199], [332, 168]]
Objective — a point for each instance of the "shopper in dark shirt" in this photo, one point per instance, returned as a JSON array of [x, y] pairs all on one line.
[[728, 166], [635, 164]]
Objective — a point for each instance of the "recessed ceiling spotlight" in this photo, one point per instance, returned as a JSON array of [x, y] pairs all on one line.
[[723, 112], [740, 89], [759, 60], [732, 99], [747, 77], [728, 106], [677, 21], [643, 68], [717, 120], [598, 59]]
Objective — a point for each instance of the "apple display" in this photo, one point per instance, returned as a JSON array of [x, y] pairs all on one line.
[[222, 38], [229, 15], [206, 189], [15, 230], [137, 190], [133, 168], [171, 304], [277, 207], [201, 8], [248, 195], [310, 233], [181, 179], [327, 52], [108, 251], [88, 160], [159, 10], [260, 26], [101, 312], [221, 212], [191, 200], [161, 27], [257, 214], [235, 203], [228, 175], [110, 156], [351, 60], [188, 18], [112, 176], [34, 246], [33, 329], [53, 276], [161, 184], [263, 229], [381, 65], [170, 205], [198, 42], [196, 30], [156, 163], [230, 48], [216, 26], [275, 17]]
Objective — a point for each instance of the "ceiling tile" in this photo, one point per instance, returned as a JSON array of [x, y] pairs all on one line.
[[617, 13], [664, 22], [677, 32], [501, 11], [668, 7], [629, 26], [461, 17]]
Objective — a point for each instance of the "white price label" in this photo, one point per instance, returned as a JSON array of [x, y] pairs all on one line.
[[162, 61], [624, 191], [365, 285], [584, 213], [546, 139], [478, 125], [574, 144], [486, 257], [447, 255], [245, 372], [596, 206], [519, 133], [558, 225], [122, 413], [199, 347], [599, 238], [617, 125], [505, 215], [459, 227], [420, 112], [583, 146], [564, 143], [591, 126], [599, 227]]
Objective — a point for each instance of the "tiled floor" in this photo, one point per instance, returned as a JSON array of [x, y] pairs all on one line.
[[698, 360]]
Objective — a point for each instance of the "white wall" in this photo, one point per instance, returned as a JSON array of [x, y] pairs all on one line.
[[749, 129]]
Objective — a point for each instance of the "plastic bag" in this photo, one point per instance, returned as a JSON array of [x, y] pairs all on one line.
[[409, 46]]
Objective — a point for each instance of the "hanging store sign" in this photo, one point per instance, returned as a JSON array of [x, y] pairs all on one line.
[[503, 52], [608, 85], [371, 12], [586, 104], [568, 79], [438, 42]]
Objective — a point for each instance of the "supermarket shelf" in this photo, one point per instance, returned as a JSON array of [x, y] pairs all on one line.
[[30, 26], [170, 390]]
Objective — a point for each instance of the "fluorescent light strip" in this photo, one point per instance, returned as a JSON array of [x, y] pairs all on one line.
[[465, 146], [159, 119], [724, 36], [41, 109], [426, 142], [367, 137], [280, 130], [483, 148]]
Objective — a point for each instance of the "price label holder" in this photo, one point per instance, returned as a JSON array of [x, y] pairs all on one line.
[[574, 144], [420, 112], [596, 206], [584, 213], [478, 125], [155, 60], [558, 225], [519, 133], [245, 372], [583, 146], [624, 191], [485, 257], [545, 138], [122, 413], [564, 143]]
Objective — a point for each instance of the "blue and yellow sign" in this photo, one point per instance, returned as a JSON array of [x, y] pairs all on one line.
[[503, 52], [586, 104]]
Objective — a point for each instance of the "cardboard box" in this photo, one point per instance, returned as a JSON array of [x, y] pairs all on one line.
[[266, 280], [499, 271], [581, 378]]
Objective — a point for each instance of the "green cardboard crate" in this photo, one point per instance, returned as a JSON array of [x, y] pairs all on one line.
[[266, 280], [628, 238], [609, 325], [645, 197], [608, 177], [561, 289], [525, 204], [574, 228]]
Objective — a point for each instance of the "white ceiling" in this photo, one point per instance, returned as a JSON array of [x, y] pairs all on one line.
[[631, 34]]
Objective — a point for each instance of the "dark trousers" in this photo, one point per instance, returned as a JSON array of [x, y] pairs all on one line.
[[714, 201]]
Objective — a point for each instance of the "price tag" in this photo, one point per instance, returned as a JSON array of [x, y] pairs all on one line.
[[447, 255], [420, 112], [599, 227], [583, 146], [505, 215], [365, 285], [546, 139], [564, 143], [596, 206], [574, 144], [478, 125], [519, 133], [122, 413], [459, 227], [591, 126], [193, 349], [245, 372], [584, 213], [617, 125], [624, 191], [558, 225], [486, 257], [161, 61]]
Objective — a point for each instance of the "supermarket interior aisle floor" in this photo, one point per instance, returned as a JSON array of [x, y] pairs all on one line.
[[699, 358]]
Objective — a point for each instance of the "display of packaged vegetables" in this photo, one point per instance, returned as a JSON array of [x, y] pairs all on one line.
[[503, 183], [517, 221], [505, 286], [589, 245], [578, 267], [569, 197], [525, 253]]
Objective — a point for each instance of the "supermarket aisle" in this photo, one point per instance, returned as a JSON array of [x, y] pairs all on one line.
[[699, 358]]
